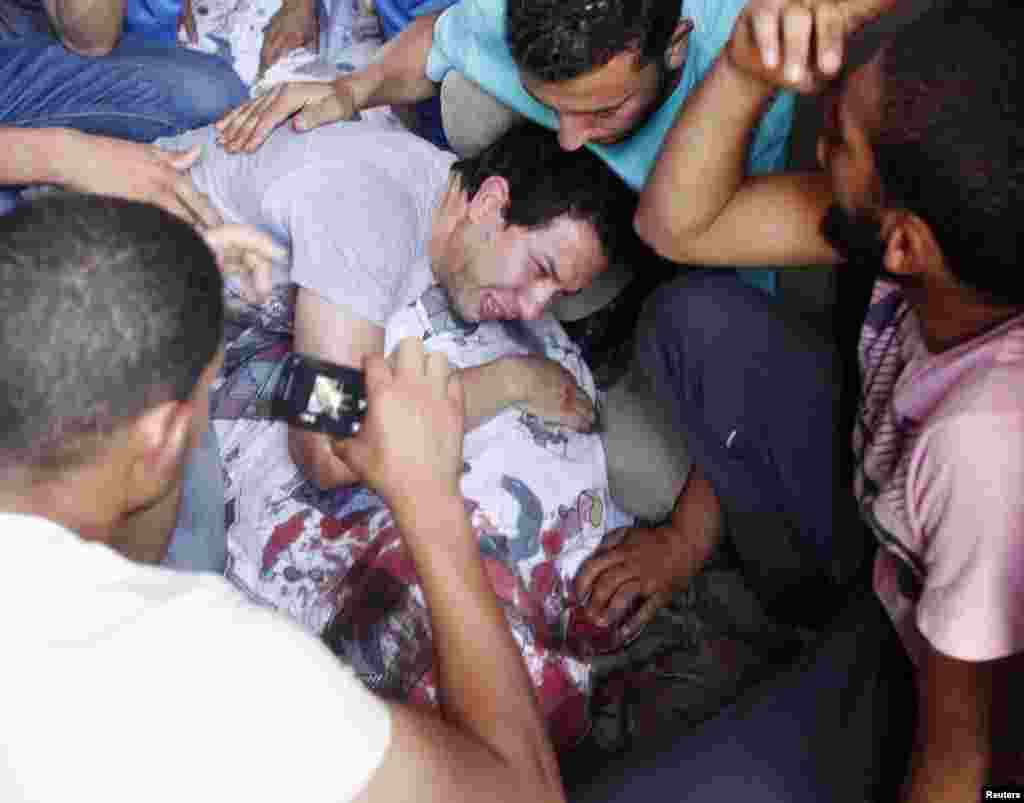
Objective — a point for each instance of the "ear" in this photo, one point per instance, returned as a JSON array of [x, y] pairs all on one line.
[[487, 206], [910, 246], [678, 44], [161, 438]]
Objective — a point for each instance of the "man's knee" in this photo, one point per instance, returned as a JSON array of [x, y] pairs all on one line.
[[690, 314], [219, 92]]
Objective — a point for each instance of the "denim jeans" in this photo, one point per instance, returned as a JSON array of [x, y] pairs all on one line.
[[144, 89], [199, 542]]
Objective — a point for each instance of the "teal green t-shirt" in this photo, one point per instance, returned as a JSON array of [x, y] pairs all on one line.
[[470, 38]]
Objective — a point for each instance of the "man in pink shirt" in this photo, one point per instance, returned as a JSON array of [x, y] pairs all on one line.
[[921, 184]]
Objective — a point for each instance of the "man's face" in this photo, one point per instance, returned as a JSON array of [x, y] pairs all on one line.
[[498, 272], [605, 105]]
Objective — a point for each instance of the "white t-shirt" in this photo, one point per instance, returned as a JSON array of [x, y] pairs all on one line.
[[124, 683], [353, 201]]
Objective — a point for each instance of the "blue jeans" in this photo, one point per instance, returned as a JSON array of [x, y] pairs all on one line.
[[143, 90], [199, 542]]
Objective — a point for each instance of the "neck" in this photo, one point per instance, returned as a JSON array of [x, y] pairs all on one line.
[[76, 505], [449, 208], [949, 318]]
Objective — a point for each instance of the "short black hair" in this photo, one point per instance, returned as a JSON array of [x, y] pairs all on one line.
[[107, 308], [951, 142], [558, 40], [546, 182]]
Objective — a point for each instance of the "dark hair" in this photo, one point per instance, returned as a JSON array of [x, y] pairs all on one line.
[[557, 40], [107, 307], [950, 144], [546, 182]]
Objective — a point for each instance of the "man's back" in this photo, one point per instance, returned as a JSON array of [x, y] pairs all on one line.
[[354, 201], [124, 682]]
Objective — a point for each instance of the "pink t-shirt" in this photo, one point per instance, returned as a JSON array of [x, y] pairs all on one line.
[[940, 480]]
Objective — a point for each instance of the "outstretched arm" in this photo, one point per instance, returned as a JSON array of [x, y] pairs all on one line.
[[107, 166], [491, 743], [699, 205], [397, 77]]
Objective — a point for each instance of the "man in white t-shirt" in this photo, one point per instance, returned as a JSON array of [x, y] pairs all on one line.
[[374, 215], [921, 188], [124, 681]]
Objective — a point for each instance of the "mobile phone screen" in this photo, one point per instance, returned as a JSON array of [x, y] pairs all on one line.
[[319, 395]]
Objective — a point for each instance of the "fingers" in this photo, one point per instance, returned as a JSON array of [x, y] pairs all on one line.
[[802, 39], [764, 23], [635, 623], [408, 358], [248, 126], [247, 251], [200, 209], [592, 568], [377, 373], [245, 239], [797, 25], [180, 160], [830, 33]]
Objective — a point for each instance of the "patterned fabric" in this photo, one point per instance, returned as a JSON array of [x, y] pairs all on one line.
[[940, 462], [335, 561]]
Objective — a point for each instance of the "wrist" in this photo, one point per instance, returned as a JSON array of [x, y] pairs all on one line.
[[431, 503], [744, 80], [64, 148], [361, 85]]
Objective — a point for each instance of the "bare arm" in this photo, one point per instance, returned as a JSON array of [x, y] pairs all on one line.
[[104, 165], [491, 743], [330, 332], [540, 385], [87, 27], [965, 726], [700, 206], [398, 77]]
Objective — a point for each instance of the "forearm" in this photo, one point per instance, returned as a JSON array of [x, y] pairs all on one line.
[[87, 27], [484, 686], [953, 736], [32, 155], [399, 75], [702, 162], [490, 388], [945, 773]]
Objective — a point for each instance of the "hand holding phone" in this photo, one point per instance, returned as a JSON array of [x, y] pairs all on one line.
[[410, 447]]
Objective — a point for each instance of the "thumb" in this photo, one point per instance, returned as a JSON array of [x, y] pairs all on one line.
[[354, 453], [328, 110], [183, 160]]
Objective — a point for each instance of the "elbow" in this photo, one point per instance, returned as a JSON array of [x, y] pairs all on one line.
[[658, 232]]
